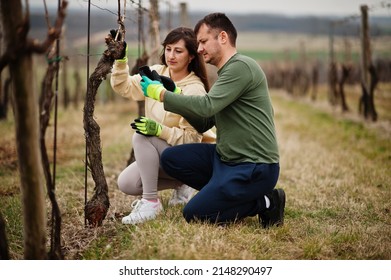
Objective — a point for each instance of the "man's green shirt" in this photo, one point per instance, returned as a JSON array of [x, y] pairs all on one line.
[[239, 106]]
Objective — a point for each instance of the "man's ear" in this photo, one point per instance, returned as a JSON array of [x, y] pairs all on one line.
[[223, 37]]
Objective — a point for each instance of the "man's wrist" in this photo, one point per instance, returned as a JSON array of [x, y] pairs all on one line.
[[162, 93]]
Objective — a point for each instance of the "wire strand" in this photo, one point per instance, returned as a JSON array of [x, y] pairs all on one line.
[[88, 85], [372, 8]]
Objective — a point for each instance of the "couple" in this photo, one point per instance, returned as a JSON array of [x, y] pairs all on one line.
[[174, 146]]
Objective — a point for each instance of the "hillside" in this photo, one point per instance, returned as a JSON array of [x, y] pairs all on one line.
[[102, 21]]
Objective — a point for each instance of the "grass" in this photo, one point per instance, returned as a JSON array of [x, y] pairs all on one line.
[[334, 170]]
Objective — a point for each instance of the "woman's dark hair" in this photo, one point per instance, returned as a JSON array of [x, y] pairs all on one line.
[[197, 64], [219, 22]]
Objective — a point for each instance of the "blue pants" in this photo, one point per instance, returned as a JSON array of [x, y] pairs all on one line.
[[227, 192]]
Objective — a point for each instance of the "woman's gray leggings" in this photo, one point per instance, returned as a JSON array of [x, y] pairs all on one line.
[[144, 176]]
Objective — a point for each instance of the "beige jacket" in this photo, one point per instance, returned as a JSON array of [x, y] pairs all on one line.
[[175, 129]]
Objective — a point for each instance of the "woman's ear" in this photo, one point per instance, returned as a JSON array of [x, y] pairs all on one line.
[[191, 57]]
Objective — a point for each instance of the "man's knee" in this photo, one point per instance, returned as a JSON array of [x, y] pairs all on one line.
[[166, 161], [188, 213]]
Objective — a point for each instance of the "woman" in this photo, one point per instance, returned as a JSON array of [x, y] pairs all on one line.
[[180, 62]]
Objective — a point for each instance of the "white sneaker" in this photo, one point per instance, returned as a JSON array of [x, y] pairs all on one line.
[[143, 210], [181, 195]]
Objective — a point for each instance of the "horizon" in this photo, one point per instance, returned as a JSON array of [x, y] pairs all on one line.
[[196, 12], [298, 8]]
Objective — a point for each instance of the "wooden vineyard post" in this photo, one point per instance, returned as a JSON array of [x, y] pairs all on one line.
[[368, 73], [185, 21], [154, 31]]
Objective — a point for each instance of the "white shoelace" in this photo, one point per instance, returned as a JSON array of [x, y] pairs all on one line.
[[136, 204]]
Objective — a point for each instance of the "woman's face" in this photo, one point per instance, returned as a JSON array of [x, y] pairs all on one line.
[[177, 56]]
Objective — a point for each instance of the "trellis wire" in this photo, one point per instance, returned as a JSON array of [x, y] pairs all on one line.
[[56, 108], [138, 7], [380, 5], [88, 85], [111, 12]]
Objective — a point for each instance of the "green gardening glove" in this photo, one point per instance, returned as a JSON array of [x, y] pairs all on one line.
[[154, 76], [151, 89], [147, 127]]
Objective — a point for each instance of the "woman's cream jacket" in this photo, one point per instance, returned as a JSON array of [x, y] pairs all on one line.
[[175, 129]]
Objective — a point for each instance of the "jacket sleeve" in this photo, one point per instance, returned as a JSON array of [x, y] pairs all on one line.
[[184, 132], [124, 84], [201, 124]]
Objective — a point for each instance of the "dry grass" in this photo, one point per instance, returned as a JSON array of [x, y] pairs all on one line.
[[335, 172]]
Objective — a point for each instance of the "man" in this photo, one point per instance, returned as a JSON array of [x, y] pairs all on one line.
[[237, 175]]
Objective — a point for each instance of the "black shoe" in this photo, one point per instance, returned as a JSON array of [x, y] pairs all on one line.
[[274, 215]]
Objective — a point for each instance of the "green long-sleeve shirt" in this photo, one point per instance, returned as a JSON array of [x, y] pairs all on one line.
[[239, 106]]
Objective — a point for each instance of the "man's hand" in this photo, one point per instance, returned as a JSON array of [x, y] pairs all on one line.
[[154, 76], [151, 89], [146, 126]]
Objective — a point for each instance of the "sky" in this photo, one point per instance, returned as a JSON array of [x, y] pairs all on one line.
[[340, 8]]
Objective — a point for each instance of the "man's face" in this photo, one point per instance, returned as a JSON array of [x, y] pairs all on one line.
[[208, 45]]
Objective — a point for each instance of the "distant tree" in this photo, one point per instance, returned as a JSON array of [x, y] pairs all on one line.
[[369, 75], [344, 75], [4, 86], [4, 254], [78, 88], [367, 103], [4, 97], [332, 79], [18, 56], [45, 109]]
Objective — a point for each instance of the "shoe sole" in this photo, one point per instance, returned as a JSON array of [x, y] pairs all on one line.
[[141, 220], [138, 221]]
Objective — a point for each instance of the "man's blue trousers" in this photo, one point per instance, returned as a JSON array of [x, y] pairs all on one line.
[[227, 192]]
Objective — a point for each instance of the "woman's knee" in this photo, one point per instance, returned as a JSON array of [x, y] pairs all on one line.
[[137, 140], [129, 184], [123, 185]]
